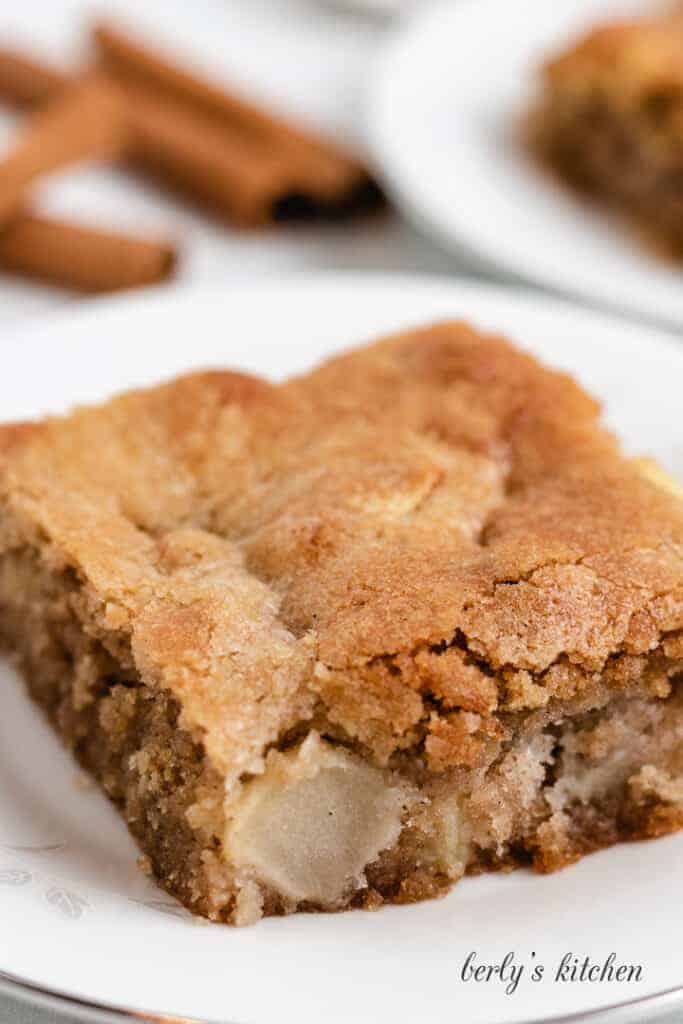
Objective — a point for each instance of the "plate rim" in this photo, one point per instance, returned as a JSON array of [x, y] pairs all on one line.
[[525, 298], [424, 216], [108, 1013], [525, 291]]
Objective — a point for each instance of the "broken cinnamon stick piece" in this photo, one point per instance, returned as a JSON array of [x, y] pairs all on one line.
[[86, 121], [82, 258], [323, 178], [25, 82]]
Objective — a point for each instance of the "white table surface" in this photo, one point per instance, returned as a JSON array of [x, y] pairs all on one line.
[[320, 43]]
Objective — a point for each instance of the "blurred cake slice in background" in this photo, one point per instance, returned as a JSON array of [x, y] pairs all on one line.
[[610, 119]]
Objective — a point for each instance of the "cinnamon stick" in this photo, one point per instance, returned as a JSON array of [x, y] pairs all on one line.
[[131, 61], [315, 176], [82, 258], [85, 121], [201, 149], [174, 146], [180, 149], [25, 82]]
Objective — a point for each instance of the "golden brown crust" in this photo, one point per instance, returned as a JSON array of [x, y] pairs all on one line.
[[428, 528]]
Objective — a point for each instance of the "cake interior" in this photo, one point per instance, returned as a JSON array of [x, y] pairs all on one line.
[[324, 826]]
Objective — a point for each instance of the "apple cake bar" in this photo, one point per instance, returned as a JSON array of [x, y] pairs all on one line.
[[336, 642], [610, 119]]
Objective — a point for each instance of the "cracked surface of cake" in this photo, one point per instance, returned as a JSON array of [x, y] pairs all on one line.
[[338, 641]]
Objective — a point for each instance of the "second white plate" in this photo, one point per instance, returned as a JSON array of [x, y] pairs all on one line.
[[445, 125]]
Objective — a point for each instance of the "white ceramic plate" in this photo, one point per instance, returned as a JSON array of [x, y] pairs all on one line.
[[444, 123], [78, 918]]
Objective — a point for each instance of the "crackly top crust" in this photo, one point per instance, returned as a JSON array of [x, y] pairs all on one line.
[[409, 540], [635, 61]]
